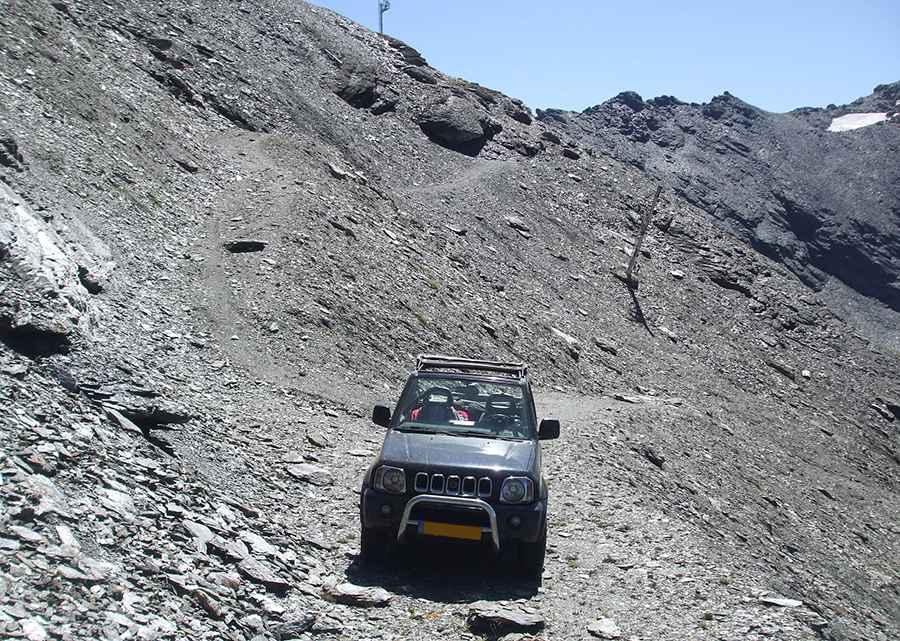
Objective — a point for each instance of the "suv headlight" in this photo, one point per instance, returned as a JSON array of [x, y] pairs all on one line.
[[517, 489], [390, 479]]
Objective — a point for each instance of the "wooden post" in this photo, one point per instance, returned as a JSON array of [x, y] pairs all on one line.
[[645, 224]]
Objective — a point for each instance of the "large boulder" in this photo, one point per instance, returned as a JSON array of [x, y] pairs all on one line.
[[410, 55], [364, 88], [494, 620], [422, 74], [359, 91], [458, 124], [43, 305]]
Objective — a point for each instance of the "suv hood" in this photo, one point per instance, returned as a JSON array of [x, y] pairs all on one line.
[[461, 452]]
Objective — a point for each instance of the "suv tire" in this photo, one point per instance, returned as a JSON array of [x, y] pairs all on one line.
[[373, 544], [531, 556]]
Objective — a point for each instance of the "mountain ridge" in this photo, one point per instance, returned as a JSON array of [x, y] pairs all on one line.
[[822, 203]]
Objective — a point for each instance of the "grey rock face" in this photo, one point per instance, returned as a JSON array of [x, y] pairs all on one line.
[[295, 628], [365, 89], [43, 306], [824, 204]]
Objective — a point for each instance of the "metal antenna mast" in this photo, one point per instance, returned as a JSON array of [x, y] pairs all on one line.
[[383, 5]]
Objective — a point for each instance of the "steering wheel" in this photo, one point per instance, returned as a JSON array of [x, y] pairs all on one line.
[[500, 414]]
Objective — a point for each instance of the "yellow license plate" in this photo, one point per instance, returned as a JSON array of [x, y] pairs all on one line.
[[449, 530]]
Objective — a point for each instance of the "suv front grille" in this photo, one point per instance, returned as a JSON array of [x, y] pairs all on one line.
[[445, 514], [453, 485]]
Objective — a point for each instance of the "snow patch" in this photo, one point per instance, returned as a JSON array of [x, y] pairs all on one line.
[[855, 121]]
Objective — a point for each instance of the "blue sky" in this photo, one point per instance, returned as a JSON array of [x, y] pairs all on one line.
[[573, 54]]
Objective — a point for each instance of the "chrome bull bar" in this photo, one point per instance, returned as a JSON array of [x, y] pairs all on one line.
[[454, 501]]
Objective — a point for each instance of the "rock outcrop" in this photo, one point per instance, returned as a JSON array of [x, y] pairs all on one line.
[[43, 305], [458, 124], [824, 204]]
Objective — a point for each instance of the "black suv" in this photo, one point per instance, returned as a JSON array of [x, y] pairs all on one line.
[[461, 460]]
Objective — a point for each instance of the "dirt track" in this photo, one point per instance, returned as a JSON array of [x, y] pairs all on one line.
[[614, 551]]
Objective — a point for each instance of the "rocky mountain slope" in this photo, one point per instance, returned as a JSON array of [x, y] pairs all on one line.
[[225, 230], [824, 203]]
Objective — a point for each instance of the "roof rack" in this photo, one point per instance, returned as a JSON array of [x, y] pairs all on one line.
[[438, 361]]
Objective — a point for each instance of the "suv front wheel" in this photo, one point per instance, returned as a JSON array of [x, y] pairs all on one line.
[[531, 556], [373, 544]]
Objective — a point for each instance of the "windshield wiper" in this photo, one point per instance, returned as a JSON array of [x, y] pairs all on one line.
[[477, 434], [416, 430]]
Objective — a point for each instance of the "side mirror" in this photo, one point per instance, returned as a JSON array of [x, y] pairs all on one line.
[[381, 415], [549, 429]]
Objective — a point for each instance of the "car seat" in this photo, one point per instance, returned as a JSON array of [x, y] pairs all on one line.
[[438, 406]]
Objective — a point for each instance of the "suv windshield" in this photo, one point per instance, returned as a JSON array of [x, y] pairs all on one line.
[[465, 407]]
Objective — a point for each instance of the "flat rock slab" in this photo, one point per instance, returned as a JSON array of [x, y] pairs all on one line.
[[74, 574], [312, 474], [571, 342], [635, 399], [182, 583], [98, 569], [230, 550], [42, 491], [293, 629], [781, 601], [126, 424], [262, 574], [202, 534], [337, 172], [16, 371], [33, 630], [495, 619], [781, 368], [118, 502], [356, 595], [25, 534], [244, 245], [318, 439], [605, 629], [517, 223], [259, 545], [10, 545], [66, 536], [243, 508]]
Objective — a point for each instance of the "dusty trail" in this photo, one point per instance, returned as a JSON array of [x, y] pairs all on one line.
[[478, 175], [613, 551]]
